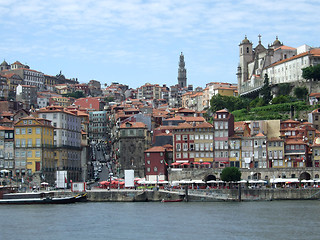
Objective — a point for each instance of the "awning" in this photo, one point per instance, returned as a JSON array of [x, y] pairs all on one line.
[[284, 180], [175, 164], [242, 181], [257, 181], [307, 181], [205, 163]]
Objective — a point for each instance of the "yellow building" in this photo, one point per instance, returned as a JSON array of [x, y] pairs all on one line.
[[34, 148]]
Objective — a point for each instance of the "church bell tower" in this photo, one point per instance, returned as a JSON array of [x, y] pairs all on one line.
[[182, 73]]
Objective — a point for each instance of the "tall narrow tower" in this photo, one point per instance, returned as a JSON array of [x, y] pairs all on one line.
[[246, 56], [182, 73]]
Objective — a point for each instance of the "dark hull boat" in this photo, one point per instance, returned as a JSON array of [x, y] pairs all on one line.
[[40, 198]]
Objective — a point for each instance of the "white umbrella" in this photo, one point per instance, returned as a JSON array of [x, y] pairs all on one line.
[[212, 181], [4, 171], [242, 181], [198, 181]]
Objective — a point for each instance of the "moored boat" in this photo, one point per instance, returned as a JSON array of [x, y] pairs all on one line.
[[39, 198]]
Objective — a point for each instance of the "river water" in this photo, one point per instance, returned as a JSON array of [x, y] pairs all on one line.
[[154, 220]]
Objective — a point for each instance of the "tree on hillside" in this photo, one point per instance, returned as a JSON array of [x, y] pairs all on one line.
[[284, 89], [311, 73], [282, 99], [301, 93], [266, 90], [231, 174], [219, 102]]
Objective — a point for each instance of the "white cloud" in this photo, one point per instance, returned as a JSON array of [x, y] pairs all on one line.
[[148, 34]]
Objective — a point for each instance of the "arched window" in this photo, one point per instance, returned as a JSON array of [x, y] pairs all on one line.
[[247, 49]]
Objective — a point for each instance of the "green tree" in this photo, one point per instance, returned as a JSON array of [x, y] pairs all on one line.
[[231, 174], [311, 73], [284, 89], [231, 103], [301, 93], [282, 99], [266, 90], [76, 94]]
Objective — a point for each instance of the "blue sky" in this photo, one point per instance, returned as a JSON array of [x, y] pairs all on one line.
[[138, 41]]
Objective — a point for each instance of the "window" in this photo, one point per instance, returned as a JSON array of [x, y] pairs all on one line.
[[148, 155], [178, 137], [38, 131], [37, 154], [29, 142], [148, 162], [185, 137], [38, 143], [178, 147], [29, 130], [29, 154]]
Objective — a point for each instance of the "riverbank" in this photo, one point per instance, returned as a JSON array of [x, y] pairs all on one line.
[[192, 195]]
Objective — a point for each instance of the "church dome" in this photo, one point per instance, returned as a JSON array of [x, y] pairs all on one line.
[[276, 42], [245, 40]]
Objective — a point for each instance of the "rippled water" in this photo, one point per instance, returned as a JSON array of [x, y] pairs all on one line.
[[216, 220]]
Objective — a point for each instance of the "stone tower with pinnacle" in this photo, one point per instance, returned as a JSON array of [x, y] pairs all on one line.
[[182, 73]]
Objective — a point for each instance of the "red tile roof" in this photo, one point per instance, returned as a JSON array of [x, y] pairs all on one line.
[[156, 149], [133, 125]]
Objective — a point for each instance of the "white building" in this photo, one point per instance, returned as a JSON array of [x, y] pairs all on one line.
[[67, 139], [281, 63]]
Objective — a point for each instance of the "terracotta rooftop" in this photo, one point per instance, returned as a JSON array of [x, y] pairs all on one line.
[[156, 149], [133, 125]]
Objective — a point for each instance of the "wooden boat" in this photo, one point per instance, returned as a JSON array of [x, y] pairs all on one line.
[[171, 200], [39, 198]]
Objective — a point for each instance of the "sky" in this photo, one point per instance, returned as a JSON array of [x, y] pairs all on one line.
[[134, 42]]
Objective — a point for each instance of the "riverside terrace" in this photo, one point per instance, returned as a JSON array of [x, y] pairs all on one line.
[[206, 173]]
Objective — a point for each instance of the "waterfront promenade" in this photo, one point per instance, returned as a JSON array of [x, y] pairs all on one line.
[[202, 195]]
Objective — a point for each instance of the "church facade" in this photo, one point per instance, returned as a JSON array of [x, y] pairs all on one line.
[[282, 64]]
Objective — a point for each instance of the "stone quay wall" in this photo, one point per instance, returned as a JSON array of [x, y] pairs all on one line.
[[210, 195]]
